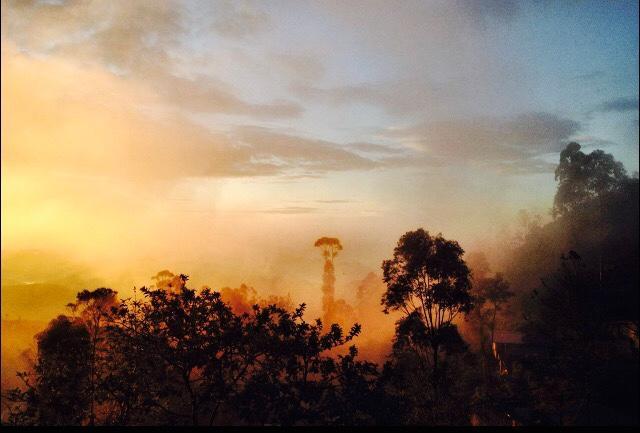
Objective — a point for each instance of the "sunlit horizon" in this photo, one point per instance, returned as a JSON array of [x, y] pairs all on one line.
[[220, 139]]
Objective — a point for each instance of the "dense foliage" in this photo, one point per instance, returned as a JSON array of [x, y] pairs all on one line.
[[179, 356]]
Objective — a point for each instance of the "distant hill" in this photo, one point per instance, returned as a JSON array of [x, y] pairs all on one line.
[[36, 285]]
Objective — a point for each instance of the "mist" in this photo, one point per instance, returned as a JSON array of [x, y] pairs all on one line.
[[431, 181]]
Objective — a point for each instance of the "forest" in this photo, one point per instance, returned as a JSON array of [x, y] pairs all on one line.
[[549, 338]]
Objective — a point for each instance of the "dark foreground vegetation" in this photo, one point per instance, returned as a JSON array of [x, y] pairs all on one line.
[[568, 293]]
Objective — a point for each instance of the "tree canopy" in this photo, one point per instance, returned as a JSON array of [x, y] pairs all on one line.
[[582, 177]]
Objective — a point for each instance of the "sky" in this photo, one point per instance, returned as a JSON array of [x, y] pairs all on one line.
[[219, 139]]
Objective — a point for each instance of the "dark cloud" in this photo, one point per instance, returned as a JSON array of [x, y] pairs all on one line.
[[519, 137], [619, 105], [508, 145]]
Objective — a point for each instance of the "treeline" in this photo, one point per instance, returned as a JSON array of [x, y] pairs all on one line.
[[177, 356], [184, 357]]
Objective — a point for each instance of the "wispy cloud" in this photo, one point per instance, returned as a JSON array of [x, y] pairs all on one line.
[[79, 131], [378, 149], [335, 201], [618, 105], [139, 39], [299, 153], [525, 135], [302, 67], [206, 95], [509, 145], [239, 20], [290, 210], [394, 97]]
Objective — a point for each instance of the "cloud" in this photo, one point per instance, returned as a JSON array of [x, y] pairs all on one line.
[[86, 122], [117, 32], [619, 105], [506, 145], [139, 40], [302, 67], [290, 210], [524, 167], [394, 97], [305, 155], [206, 95], [525, 135], [377, 149], [240, 20], [593, 142], [431, 51]]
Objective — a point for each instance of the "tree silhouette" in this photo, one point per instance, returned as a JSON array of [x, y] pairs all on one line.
[[584, 371], [581, 324], [428, 280], [493, 294], [94, 307], [583, 177], [298, 381], [58, 390], [185, 357], [194, 340], [178, 356], [330, 248]]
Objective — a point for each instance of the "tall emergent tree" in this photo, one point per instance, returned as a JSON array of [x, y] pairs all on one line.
[[330, 248], [429, 281]]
